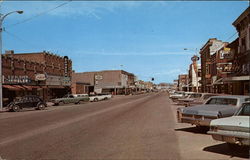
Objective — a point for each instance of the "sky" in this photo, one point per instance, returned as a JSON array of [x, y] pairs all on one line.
[[142, 37]]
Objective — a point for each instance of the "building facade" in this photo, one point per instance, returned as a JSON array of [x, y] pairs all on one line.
[[42, 73], [183, 81], [240, 77], [211, 47], [108, 81]]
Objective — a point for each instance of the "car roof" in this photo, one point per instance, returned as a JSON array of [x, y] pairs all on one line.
[[231, 96]]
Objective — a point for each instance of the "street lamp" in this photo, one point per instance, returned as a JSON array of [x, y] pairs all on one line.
[[2, 17], [195, 58]]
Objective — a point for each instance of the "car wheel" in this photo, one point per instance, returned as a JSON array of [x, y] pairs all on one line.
[[41, 107], [105, 98], [15, 108], [61, 103], [95, 100]]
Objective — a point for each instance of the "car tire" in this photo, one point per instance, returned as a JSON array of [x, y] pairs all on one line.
[[41, 107], [61, 103], [105, 98], [15, 108], [96, 100]]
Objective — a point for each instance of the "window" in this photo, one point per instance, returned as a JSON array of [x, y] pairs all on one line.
[[223, 101], [245, 111]]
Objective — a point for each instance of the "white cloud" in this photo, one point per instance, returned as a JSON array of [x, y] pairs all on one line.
[[82, 8]]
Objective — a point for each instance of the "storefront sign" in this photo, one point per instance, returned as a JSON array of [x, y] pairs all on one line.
[[58, 81], [224, 67], [16, 79], [40, 77]]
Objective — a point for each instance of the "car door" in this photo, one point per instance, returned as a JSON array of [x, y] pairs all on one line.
[[71, 99], [26, 102]]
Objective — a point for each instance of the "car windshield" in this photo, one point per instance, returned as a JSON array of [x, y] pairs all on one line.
[[207, 96], [222, 101], [247, 99], [195, 96], [245, 110]]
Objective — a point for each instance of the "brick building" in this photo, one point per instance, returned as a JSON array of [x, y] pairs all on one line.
[[240, 77], [41, 73], [210, 48], [183, 81], [108, 81], [221, 68]]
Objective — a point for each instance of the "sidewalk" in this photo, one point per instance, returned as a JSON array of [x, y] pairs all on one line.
[[4, 110]]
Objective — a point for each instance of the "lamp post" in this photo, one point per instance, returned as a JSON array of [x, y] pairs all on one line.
[[2, 17], [195, 58]]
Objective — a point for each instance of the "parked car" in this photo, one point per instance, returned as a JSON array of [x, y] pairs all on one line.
[[190, 98], [215, 107], [69, 98], [30, 101], [234, 130], [99, 97], [176, 95], [197, 99]]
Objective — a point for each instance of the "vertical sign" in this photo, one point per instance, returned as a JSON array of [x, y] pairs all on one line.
[[66, 66]]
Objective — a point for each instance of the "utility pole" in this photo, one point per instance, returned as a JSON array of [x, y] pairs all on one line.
[[2, 17]]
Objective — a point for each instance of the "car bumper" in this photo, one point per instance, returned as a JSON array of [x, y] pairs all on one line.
[[240, 138], [194, 120]]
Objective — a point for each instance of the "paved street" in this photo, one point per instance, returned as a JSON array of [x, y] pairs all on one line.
[[125, 127]]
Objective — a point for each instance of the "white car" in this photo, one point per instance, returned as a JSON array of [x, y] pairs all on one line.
[[234, 130], [99, 97]]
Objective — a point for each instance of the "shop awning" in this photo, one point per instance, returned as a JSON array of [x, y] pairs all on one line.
[[56, 87], [11, 87], [237, 78]]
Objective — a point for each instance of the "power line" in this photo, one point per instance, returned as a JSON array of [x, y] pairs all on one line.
[[40, 14], [20, 39], [232, 36]]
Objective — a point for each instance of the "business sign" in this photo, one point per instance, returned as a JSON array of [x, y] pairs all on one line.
[[58, 81], [66, 66], [224, 67], [40, 77], [226, 53], [195, 58], [12, 79], [98, 77]]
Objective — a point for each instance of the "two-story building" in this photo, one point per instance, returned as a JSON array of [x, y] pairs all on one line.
[[183, 81], [44, 74], [210, 48], [240, 77]]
